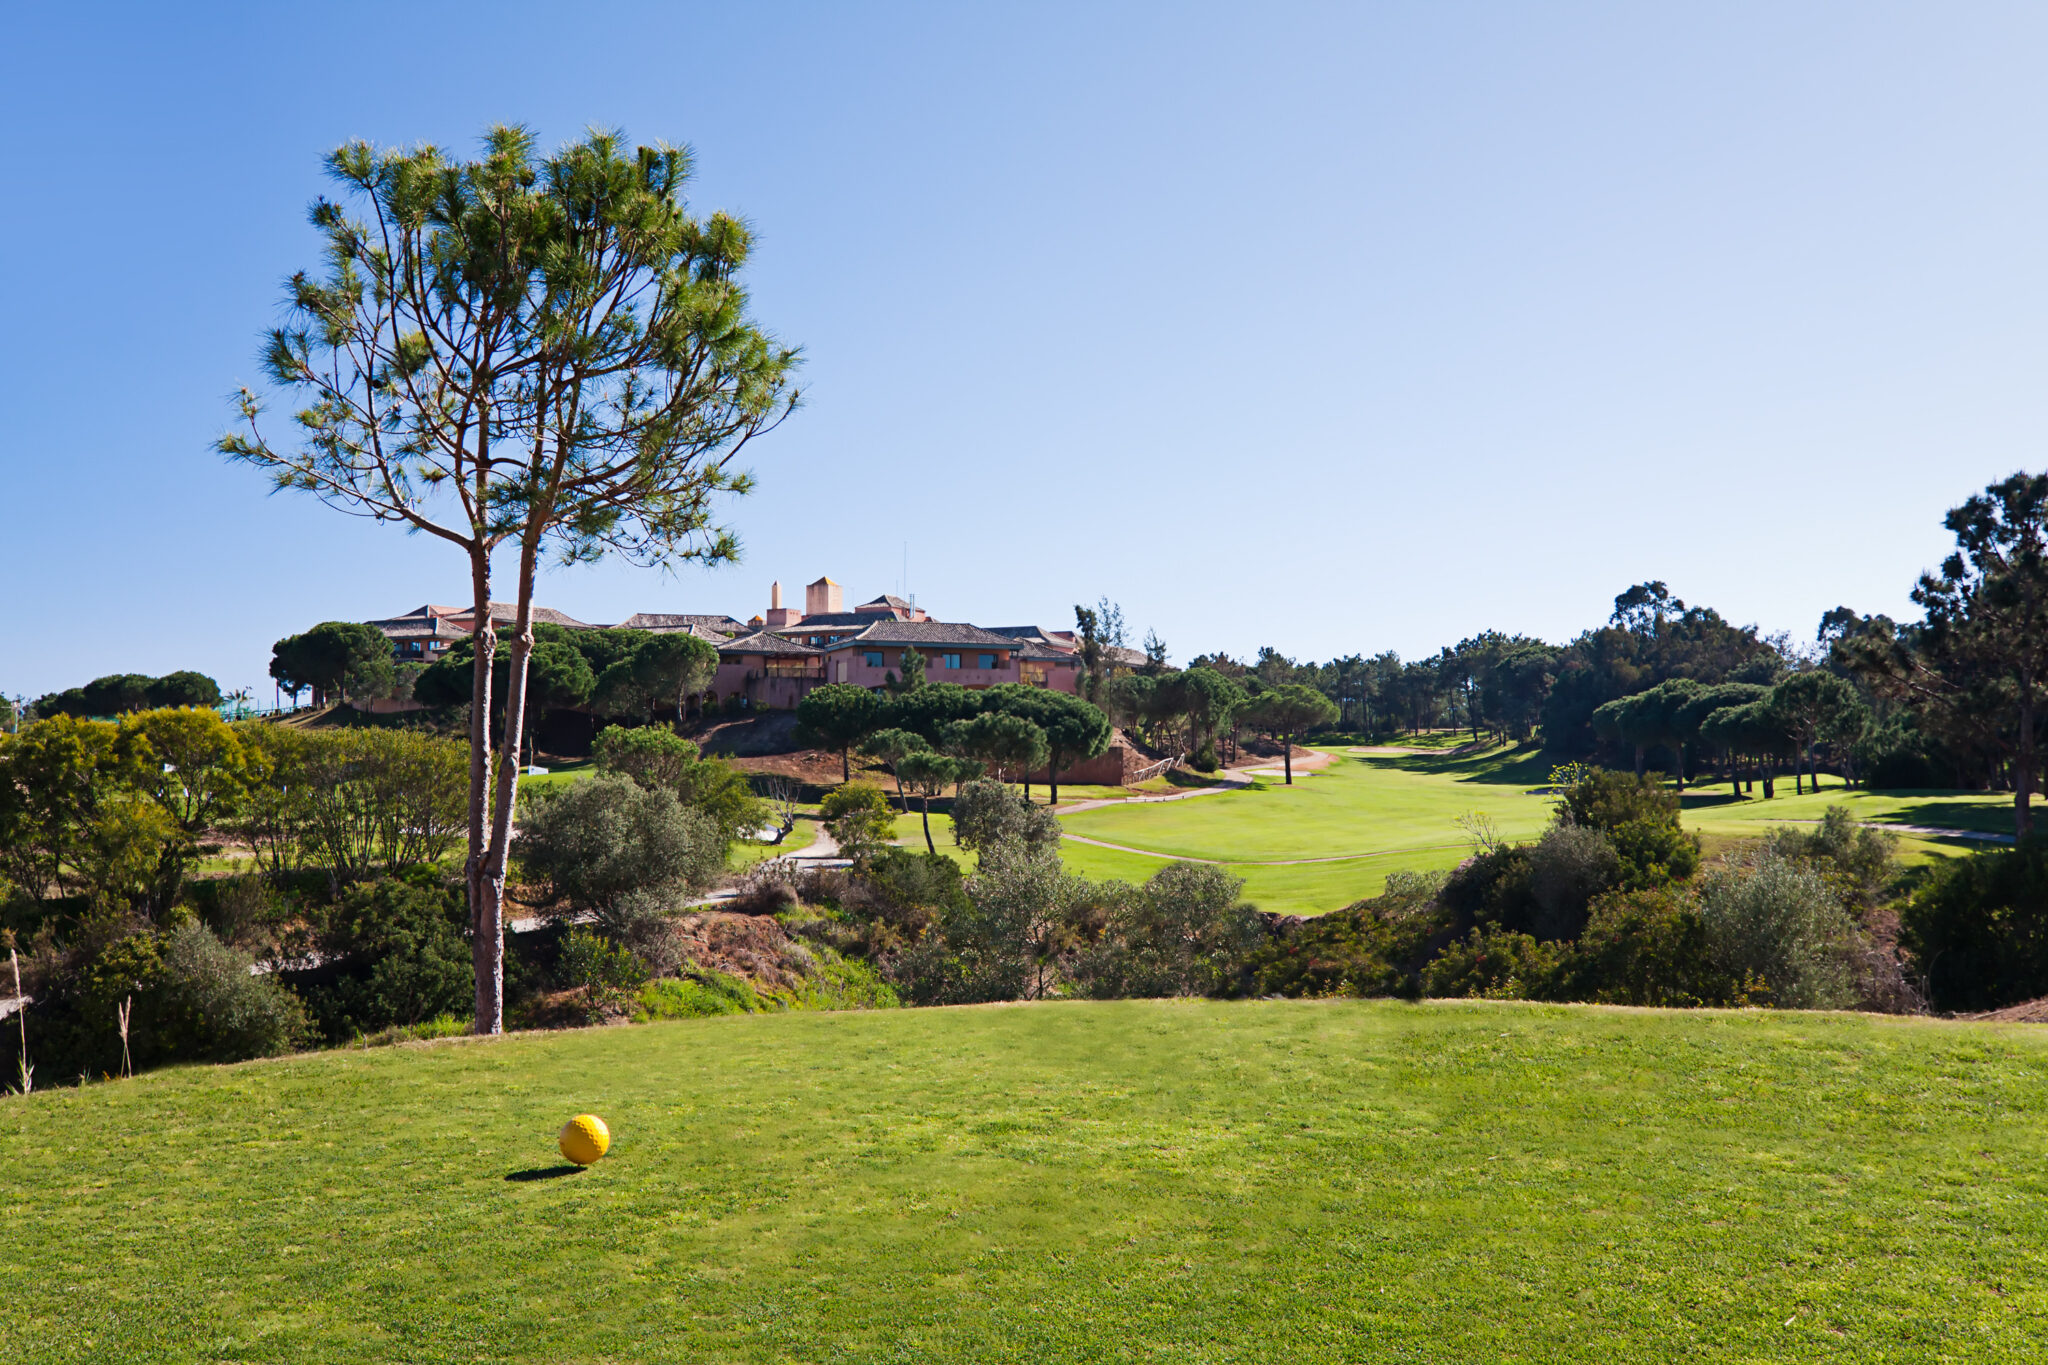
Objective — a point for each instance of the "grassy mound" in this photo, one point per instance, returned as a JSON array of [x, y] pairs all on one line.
[[1130, 1181]]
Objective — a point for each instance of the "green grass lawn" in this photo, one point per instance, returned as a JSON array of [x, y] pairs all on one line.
[[1397, 812], [745, 854], [1135, 1181], [1380, 813]]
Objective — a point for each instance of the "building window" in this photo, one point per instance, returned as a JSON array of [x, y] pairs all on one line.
[[988, 661], [871, 657], [949, 661], [1033, 674], [788, 668]]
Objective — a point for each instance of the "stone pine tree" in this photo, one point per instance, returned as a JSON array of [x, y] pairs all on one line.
[[1976, 670], [1288, 712], [539, 356], [837, 716]]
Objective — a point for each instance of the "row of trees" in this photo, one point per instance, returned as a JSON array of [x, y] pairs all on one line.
[[117, 694], [1012, 728], [1956, 699]]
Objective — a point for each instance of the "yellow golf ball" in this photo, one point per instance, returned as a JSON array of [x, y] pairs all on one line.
[[585, 1139]]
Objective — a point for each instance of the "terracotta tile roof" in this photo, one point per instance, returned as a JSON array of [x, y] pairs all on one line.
[[761, 642], [923, 633], [500, 612], [717, 622], [889, 603], [825, 620], [1059, 640]]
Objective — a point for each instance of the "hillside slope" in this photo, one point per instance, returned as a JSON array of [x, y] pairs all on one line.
[[1293, 1181]]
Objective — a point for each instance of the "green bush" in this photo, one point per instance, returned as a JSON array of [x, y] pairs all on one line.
[[1493, 963], [1978, 928], [393, 953], [1601, 798], [1644, 948], [212, 1008], [658, 759], [1861, 862], [605, 972], [859, 818], [986, 812], [1005, 941], [591, 842], [1654, 853], [1778, 922], [1373, 947], [1181, 933]]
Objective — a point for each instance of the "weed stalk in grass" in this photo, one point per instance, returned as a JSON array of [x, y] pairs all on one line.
[[121, 1012], [28, 1073]]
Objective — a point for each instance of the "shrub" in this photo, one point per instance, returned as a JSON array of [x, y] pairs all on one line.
[[591, 842], [213, 1009], [1859, 861], [1601, 798], [605, 972], [1181, 933], [1779, 922], [1204, 760], [1978, 928], [859, 818], [1654, 853], [243, 912], [356, 802], [641, 923], [1644, 948], [657, 759], [1003, 941], [1568, 867], [1495, 963], [1372, 947], [770, 888], [396, 953], [986, 813], [904, 891]]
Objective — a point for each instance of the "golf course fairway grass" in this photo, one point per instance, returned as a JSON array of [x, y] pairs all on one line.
[[1185, 1181], [1335, 835]]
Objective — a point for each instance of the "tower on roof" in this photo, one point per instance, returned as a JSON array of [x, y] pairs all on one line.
[[823, 598], [780, 616]]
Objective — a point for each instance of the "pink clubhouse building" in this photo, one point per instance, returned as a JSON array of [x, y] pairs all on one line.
[[772, 660]]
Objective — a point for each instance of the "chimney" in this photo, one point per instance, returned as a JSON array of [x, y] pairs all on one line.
[[822, 597], [779, 617]]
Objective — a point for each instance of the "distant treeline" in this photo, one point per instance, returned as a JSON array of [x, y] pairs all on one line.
[[1956, 699]]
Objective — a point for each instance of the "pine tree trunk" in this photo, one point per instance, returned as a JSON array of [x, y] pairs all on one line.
[[930, 847], [484, 643], [488, 912], [1287, 757]]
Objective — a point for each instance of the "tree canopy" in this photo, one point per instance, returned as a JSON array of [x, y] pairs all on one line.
[[547, 352]]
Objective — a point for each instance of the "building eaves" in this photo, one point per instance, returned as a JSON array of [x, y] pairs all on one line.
[[660, 621], [922, 633], [761, 642]]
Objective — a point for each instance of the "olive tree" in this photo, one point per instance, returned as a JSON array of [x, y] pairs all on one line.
[[540, 355]]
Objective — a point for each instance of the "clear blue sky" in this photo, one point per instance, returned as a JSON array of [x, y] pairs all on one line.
[[1332, 328]]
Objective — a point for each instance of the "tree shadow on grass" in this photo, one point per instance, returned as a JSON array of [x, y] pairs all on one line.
[[545, 1173]]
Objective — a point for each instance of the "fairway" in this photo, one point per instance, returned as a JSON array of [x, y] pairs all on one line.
[[1287, 1181], [1334, 836]]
